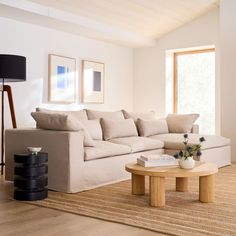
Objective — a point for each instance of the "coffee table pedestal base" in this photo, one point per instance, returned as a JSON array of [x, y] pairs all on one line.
[[157, 191], [181, 184], [206, 188], [157, 188], [138, 184]]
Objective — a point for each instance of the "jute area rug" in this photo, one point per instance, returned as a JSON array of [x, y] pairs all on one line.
[[182, 215]]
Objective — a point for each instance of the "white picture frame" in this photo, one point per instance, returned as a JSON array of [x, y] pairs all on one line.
[[62, 79], [92, 85]]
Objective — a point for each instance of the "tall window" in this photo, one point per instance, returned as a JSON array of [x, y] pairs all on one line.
[[193, 86]]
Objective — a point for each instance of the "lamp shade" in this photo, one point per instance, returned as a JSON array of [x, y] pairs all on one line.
[[12, 68]]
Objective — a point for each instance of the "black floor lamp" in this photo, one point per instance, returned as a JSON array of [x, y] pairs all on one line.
[[12, 69]]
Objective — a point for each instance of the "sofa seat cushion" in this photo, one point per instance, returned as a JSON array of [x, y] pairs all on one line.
[[105, 149], [138, 144], [175, 141]]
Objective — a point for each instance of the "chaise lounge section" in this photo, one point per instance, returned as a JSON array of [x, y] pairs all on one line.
[[216, 149]]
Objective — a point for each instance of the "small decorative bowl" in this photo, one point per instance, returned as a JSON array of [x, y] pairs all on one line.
[[34, 150]]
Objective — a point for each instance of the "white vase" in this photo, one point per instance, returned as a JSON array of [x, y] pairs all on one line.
[[188, 163]]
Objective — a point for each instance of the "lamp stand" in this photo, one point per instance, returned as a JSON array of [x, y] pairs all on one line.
[[2, 131], [6, 88]]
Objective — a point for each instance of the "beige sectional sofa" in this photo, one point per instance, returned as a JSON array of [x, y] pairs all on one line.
[[76, 165]]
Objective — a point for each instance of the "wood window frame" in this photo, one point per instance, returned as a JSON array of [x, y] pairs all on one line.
[[175, 72]]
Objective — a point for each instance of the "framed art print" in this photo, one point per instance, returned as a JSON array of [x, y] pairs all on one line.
[[62, 79], [92, 82]]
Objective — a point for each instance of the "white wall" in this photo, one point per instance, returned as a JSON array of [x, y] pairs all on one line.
[[37, 42], [228, 71], [149, 63]]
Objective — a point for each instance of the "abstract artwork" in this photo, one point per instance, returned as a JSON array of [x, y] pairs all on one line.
[[92, 82], [62, 79]]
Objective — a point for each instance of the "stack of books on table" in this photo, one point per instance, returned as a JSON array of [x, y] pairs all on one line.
[[152, 160]]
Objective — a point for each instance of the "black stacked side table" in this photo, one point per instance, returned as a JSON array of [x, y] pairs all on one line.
[[30, 180]]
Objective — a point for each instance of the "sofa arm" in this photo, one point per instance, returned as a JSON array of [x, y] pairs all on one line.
[[65, 153], [195, 129]]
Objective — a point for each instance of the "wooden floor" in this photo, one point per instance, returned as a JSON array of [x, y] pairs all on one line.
[[21, 219]]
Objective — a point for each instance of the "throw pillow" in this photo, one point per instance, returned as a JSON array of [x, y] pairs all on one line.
[[181, 123], [152, 127], [118, 128], [80, 114], [142, 115], [61, 122], [111, 115], [94, 128]]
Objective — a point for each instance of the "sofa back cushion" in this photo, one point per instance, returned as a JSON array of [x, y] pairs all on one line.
[[152, 127], [61, 122], [80, 114], [118, 128], [113, 115], [150, 115], [181, 123], [94, 128]]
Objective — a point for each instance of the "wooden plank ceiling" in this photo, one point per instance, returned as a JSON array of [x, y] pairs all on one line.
[[149, 18]]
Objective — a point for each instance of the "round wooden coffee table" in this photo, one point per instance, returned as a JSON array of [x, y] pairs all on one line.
[[205, 172]]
